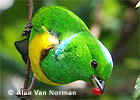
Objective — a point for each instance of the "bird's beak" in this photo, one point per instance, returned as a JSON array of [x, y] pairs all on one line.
[[98, 83]]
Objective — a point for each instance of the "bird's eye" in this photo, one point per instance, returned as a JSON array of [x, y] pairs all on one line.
[[94, 64]]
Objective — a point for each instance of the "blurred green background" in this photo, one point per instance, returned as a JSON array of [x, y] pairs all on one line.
[[114, 22]]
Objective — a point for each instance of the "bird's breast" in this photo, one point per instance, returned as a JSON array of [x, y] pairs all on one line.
[[37, 46]]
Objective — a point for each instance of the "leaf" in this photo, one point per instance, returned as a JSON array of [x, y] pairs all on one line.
[[136, 93], [138, 5]]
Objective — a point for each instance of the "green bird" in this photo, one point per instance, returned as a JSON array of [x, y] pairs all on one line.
[[62, 49]]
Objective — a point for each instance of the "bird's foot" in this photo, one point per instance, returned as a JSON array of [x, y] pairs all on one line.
[[27, 30]]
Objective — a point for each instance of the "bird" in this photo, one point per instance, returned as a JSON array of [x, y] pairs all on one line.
[[63, 50]]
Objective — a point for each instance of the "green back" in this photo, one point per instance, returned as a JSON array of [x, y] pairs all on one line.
[[58, 21]]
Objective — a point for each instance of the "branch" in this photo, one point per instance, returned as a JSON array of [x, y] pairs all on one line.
[[28, 60], [27, 73], [26, 32], [29, 25], [31, 7]]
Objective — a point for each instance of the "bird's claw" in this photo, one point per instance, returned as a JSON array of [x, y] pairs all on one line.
[[27, 30], [29, 25]]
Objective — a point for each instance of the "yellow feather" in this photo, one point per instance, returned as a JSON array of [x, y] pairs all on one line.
[[41, 42]]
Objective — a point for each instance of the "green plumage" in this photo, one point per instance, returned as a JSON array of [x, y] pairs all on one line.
[[71, 59], [57, 20]]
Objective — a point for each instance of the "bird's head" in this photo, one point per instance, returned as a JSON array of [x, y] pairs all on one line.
[[101, 64], [91, 60], [78, 57], [95, 59]]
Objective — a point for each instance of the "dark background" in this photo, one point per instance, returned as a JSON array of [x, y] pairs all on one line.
[[114, 22]]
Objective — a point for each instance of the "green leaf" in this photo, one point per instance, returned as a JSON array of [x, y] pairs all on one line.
[[136, 93], [138, 5]]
